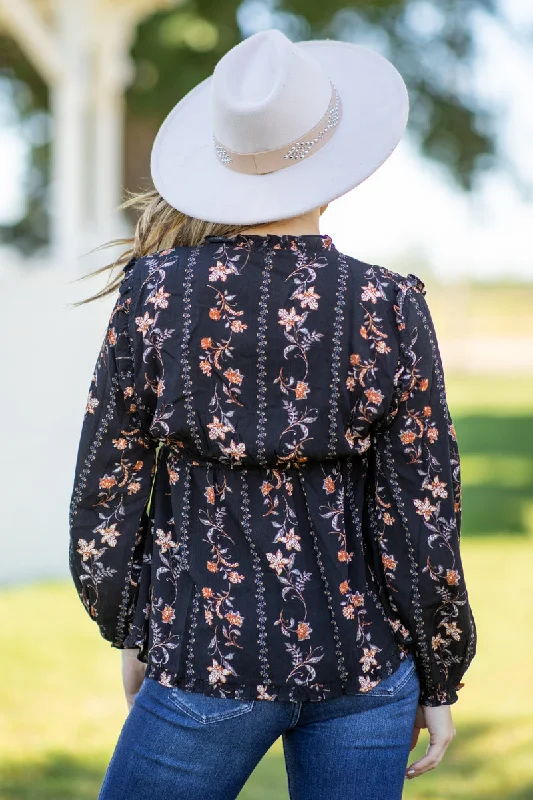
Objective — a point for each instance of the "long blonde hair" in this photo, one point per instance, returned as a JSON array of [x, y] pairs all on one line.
[[159, 227]]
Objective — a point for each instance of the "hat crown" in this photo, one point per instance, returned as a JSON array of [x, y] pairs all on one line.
[[267, 92]]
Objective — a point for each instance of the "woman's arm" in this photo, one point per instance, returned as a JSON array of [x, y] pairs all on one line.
[[115, 463], [416, 509]]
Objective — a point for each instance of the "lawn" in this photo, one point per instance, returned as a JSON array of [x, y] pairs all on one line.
[[61, 707]]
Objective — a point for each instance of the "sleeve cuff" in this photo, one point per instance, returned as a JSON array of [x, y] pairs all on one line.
[[446, 697]]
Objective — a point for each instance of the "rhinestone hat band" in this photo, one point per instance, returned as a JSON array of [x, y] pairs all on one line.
[[273, 160]]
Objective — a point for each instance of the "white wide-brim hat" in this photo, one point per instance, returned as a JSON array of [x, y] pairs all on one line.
[[279, 128]]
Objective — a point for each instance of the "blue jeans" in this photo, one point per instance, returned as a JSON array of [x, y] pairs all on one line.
[[177, 744]]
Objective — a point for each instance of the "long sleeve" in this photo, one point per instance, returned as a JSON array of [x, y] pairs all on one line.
[[416, 508], [112, 484]]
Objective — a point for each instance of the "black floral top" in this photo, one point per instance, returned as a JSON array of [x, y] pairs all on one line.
[[267, 491]]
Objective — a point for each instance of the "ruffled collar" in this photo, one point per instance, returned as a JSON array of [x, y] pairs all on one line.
[[284, 241]]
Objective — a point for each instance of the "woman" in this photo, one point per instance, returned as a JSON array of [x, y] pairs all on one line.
[[266, 509]]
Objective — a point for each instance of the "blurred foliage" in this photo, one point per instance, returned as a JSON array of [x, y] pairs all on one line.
[[432, 42], [25, 105]]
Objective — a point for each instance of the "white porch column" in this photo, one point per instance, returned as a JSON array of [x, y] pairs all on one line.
[[115, 28], [70, 145]]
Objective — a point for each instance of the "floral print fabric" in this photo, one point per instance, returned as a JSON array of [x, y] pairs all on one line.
[[267, 494]]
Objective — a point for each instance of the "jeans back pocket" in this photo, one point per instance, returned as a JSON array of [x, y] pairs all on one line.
[[392, 684], [207, 708]]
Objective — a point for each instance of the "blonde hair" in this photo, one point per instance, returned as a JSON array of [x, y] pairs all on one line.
[[159, 227]]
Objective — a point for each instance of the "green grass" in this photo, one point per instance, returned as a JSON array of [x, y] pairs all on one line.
[[61, 706]]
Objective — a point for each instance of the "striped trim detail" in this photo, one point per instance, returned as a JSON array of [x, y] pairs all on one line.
[[259, 585], [192, 638], [356, 518], [102, 429], [261, 360], [336, 354], [185, 341], [417, 608], [185, 519], [343, 672]]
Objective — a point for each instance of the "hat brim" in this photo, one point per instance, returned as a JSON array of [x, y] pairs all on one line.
[[189, 176]]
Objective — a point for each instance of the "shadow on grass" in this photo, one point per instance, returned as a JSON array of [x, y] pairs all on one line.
[[497, 456], [56, 777], [473, 769]]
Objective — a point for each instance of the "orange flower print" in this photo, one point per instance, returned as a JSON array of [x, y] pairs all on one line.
[[368, 660], [381, 347], [453, 630], [206, 343], [290, 540], [344, 587], [134, 487], [207, 592], [120, 444], [144, 323], [423, 384], [426, 411], [137, 466], [309, 298], [235, 450], [167, 615], [165, 679], [159, 299], [262, 693], [374, 396], [424, 508], [388, 519], [218, 429], [205, 366], [366, 684], [389, 562], [348, 611], [344, 556], [109, 534], [302, 390], [234, 618], [437, 488], [164, 540], [214, 313], [329, 485], [217, 673], [277, 562], [237, 326], [107, 482], [212, 566], [288, 318], [304, 631], [437, 641], [407, 437], [234, 376], [452, 577], [219, 272], [357, 599], [92, 404], [370, 293], [432, 434], [210, 494], [173, 476], [355, 359], [112, 337], [88, 549], [266, 487], [235, 577]]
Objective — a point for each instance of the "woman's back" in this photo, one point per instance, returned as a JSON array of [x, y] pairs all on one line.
[[305, 454]]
